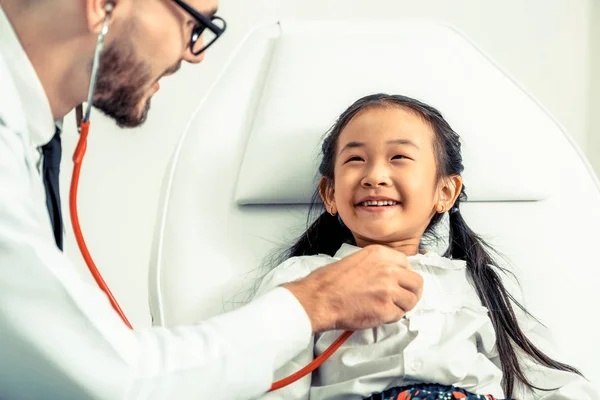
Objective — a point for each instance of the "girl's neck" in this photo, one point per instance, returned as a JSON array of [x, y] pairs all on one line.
[[409, 247]]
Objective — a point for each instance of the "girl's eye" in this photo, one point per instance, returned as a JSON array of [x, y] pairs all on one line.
[[398, 157], [356, 158]]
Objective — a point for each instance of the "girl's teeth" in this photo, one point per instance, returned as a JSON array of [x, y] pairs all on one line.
[[378, 203]]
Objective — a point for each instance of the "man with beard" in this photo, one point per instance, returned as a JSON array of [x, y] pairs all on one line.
[[59, 337]]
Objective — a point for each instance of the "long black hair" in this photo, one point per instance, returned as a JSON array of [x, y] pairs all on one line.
[[326, 234]]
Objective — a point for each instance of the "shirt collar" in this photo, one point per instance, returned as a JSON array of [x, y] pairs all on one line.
[[35, 104], [429, 258], [345, 251]]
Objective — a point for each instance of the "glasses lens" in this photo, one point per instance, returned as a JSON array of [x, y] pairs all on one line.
[[204, 37]]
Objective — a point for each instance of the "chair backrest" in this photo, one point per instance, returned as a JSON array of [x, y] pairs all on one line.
[[245, 167]]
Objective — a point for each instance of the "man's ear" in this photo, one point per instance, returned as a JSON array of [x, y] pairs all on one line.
[[96, 11], [448, 191], [326, 191]]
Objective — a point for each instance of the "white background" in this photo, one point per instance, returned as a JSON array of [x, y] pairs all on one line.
[[551, 47]]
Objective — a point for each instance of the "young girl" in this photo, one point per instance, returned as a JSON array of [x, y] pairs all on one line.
[[391, 170]]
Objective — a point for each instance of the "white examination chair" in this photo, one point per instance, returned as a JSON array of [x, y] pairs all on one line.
[[245, 167]]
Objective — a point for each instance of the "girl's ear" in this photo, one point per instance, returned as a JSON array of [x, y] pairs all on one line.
[[448, 191], [326, 191]]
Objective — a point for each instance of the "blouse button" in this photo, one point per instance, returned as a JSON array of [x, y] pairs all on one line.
[[416, 365]]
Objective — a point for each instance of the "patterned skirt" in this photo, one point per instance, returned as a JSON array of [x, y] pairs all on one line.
[[429, 392]]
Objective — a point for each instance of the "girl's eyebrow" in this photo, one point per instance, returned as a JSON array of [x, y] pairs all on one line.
[[402, 142], [352, 145]]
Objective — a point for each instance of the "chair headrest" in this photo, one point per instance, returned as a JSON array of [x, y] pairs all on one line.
[[502, 133]]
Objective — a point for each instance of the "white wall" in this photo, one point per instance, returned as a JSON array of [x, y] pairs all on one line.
[[543, 44], [593, 145]]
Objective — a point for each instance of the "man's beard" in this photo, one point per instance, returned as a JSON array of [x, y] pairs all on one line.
[[122, 85]]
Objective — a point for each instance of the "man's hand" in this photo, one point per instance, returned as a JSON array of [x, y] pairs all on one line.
[[371, 287]]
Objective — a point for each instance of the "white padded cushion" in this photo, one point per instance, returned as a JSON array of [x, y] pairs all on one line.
[[311, 81]]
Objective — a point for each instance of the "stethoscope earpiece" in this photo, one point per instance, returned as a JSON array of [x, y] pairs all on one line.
[[108, 7]]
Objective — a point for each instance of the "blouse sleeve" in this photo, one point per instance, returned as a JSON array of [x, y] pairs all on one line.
[[559, 385], [554, 384]]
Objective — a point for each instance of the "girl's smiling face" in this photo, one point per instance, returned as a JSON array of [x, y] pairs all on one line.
[[386, 187]]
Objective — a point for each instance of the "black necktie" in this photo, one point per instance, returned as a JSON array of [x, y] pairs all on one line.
[[50, 171]]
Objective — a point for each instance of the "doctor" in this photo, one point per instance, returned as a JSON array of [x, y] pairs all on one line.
[[59, 337]]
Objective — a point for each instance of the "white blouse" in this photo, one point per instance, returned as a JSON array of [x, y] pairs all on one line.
[[448, 338]]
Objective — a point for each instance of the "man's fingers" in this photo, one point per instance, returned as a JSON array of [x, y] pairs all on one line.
[[410, 280], [404, 299], [394, 315]]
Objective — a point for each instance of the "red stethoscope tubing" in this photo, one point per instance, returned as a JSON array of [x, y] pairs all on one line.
[[77, 160]]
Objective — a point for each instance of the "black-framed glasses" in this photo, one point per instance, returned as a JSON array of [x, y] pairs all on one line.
[[207, 30]]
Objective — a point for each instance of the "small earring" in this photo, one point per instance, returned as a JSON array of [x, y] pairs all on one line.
[[333, 213]]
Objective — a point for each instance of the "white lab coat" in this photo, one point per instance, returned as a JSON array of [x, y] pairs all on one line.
[[59, 336]]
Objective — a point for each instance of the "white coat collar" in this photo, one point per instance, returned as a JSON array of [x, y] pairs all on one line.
[[35, 104]]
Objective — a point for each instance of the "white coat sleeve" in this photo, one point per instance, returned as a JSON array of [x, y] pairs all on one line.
[[290, 270], [61, 339]]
